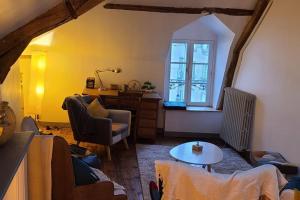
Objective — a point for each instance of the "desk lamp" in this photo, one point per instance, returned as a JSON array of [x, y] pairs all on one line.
[[98, 71]]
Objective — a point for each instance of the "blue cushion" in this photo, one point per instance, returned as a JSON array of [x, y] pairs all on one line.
[[168, 105], [294, 183], [83, 173], [92, 160]]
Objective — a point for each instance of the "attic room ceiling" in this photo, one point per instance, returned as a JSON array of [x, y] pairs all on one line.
[[242, 4], [13, 15]]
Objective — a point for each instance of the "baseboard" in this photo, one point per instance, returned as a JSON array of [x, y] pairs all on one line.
[[193, 135]]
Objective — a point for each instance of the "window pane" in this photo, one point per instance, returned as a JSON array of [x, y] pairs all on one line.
[[201, 53], [199, 83], [178, 52], [200, 73], [176, 92], [198, 94], [177, 72]]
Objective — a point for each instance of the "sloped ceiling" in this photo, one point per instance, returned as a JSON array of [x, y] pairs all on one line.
[[243, 4], [13, 15]]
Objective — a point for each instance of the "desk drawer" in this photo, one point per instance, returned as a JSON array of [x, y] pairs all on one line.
[[148, 114], [148, 105], [147, 123], [148, 133], [111, 102]]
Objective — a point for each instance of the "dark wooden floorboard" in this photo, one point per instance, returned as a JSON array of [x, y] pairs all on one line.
[[124, 170]]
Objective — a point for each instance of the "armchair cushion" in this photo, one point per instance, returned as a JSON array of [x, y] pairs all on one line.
[[118, 128], [95, 109]]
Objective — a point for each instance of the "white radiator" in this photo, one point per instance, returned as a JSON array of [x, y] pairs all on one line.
[[238, 112]]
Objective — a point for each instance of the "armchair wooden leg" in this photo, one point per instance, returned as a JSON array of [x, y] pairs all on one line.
[[108, 152], [125, 143], [78, 142]]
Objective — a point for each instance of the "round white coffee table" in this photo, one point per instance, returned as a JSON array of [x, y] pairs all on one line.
[[210, 154]]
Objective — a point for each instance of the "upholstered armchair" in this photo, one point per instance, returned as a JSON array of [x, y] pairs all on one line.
[[104, 131]]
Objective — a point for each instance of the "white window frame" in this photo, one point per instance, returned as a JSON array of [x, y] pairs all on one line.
[[189, 67]]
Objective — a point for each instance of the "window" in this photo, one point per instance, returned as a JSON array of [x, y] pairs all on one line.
[[190, 72]]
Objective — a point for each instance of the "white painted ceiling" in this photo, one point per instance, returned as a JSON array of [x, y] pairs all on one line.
[[15, 13]]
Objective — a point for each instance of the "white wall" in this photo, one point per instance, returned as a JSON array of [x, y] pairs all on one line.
[[227, 32], [270, 69], [193, 122], [196, 30], [222, 52]]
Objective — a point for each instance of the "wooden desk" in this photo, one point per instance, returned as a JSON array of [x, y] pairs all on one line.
[[96, 92], [143, 106]]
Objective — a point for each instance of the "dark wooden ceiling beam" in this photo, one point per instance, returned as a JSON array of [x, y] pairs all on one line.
[[11, 44], [259, 10], [184, 10]]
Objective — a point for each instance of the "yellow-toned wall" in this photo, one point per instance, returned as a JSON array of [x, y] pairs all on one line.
[[11, 92], [137, 42]]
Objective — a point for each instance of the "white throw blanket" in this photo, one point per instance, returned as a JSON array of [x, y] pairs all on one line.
[[118, 189], [185, 182], [39, 168]]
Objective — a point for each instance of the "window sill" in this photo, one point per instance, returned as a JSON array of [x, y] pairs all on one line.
[[194, 109], [201, 109]]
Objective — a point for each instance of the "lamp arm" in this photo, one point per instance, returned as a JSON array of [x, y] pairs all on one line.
[[117, 70], [100, 81]]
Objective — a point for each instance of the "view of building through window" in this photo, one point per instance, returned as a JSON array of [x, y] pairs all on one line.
[[189, 72]]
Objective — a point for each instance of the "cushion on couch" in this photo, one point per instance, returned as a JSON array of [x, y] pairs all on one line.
[[95, 109], [294, 183], [118, 128], [92, 161], [83, 173]]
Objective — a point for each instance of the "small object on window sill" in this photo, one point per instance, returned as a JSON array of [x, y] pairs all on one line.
[[197, 148]]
